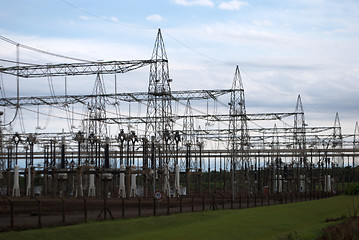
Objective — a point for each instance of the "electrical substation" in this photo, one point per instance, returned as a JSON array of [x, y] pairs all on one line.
[[163, 149]]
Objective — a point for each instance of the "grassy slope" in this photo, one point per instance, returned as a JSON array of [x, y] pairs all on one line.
[[306, 218]]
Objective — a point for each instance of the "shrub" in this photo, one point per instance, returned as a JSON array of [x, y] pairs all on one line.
[[352, 189]]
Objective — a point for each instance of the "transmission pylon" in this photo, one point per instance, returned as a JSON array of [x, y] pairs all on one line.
[[299, 128], [159, 109], [299, 140], [238, 129], [188, 139], [276, 160], [2, 161], [337, 140], [355, 146], [356, 136], [188, 125], [97, 111], [275, 139]]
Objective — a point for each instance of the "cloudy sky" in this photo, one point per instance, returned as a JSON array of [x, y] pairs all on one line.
[[283, 48]]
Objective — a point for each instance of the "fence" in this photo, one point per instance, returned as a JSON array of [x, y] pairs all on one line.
[[27, 213]]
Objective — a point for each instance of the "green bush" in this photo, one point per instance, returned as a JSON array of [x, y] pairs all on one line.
[[352, 189]]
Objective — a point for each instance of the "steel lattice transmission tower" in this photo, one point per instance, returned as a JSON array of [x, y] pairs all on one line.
[[275, 161], [238, 143], [275, 145], [188, 133], [97, 111], [188, 125], [299, 140], [159, 109], [356, 136], [337, 140], [299, 128]]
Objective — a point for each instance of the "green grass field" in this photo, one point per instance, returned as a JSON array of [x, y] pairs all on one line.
[[273, 222]]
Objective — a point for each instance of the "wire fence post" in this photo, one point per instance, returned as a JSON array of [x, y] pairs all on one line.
[[232, 202], [63, 210], [192, 204], [39, 212], [247, 200], [104, 208], [180, 198], [154, 206], [222, 201], [240, 201], [123, 207], [274, 198], [286, 197], [85, 209], [202, 203], [11, 214], [168, 205], [213, 203]]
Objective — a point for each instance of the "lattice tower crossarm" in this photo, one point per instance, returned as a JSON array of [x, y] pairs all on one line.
[[126, 97], [74, 69], [207, 117]]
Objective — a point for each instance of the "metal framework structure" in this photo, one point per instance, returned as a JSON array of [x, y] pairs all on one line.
[[239, 155], [112, 97], [159, 108], [74, 69], [96, 111]]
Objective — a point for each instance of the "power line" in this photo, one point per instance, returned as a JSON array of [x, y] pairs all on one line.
[[105, 19], [148, 28], [47, 114], [196, 51], [11, 61], [41, 51]]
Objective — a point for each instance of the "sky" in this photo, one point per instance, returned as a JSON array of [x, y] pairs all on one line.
[[283, 48]]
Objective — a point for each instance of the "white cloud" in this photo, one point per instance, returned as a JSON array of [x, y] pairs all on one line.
[[83, 17], [154, 18], [208, 3], [232, 5], [114, 19]]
